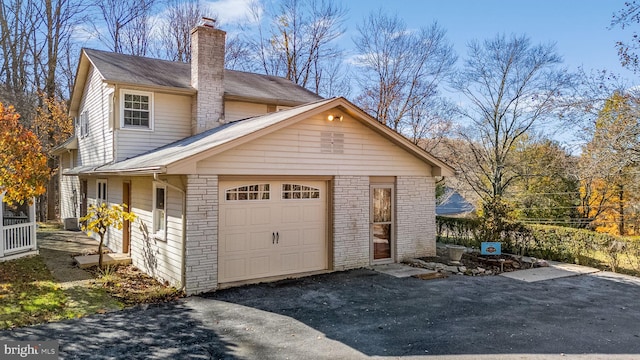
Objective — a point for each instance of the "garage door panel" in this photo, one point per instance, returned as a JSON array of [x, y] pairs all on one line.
[[312, 213], [247, 249], [289, 238], [235, 242], [235, 216], [259, 266], [289, 261], [290, 214], [260, 216], [313, 236]]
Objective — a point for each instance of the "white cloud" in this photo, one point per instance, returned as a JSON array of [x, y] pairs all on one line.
[[229, 12]]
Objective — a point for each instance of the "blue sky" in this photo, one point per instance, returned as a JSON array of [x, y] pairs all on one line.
[[580, 28]]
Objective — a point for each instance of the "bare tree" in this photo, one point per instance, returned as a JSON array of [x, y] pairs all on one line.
[[180, 17], [117, 16], [399, 74], [627, 51], [18, 25], [511, 87], [296, 40]]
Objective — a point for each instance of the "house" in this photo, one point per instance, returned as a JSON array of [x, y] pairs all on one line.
[[239, 177], [452, 204]]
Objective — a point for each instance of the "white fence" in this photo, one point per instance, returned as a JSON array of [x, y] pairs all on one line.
[[17, 234]]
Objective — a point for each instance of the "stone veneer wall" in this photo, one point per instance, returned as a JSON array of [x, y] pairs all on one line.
[[350, 222], [202, 234], [207, 77], [415, 217]]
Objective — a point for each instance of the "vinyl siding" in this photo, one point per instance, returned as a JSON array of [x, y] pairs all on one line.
[[97, 147], [172, 122], [235, 110], [158, 258], [69, 203], [297, 150]]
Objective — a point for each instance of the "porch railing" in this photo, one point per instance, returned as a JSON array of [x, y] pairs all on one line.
[[17, 238]]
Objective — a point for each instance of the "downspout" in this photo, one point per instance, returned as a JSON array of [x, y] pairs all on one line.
[[183, 270]]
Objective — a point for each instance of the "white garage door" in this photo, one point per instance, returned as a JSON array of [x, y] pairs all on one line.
[[271, 228]]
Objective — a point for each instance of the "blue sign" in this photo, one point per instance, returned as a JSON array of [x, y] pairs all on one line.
[[490, 248]]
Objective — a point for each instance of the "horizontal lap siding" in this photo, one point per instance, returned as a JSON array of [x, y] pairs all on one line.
[[96, 148], [235, 110], [68, 207], [158, 258], [296, 150], [172, 122]]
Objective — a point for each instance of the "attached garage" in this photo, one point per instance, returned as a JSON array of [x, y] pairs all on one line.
[[271, 228]]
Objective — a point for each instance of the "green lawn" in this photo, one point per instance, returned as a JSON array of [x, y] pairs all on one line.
[[30, 295]]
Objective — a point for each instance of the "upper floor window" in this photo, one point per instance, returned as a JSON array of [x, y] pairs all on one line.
[[136, 109], [83, 124]]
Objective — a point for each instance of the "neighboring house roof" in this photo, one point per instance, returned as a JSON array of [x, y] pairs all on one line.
[[452, 203], [173, 156], [148, 72]]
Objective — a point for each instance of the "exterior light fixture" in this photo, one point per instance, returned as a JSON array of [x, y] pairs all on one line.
[[332, 117]]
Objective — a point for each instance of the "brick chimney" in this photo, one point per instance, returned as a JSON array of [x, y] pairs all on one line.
[[207, 75]]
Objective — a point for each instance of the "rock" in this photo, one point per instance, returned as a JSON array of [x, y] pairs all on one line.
[[488, 272], [451, 269], [541, 263], [480, 270], [462, 268]]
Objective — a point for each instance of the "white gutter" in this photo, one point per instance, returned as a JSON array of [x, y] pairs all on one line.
[[183, 265]]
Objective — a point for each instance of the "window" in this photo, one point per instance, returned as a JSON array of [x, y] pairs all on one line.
[[101, 192], [83, 124], [159, 212], [137, 109], [249, 192], [295, 191]]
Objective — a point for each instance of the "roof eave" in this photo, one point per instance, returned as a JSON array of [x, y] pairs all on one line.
[[162, 88], [259, 100]]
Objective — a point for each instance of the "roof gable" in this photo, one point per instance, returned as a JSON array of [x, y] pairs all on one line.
[[222, 138], [176, 76]]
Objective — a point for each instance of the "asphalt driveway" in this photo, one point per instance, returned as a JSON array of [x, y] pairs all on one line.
[[361, 313]]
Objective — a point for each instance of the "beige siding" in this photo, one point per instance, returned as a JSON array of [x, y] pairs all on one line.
[[158, 258], [235, 110], [172, 122], [69, 188], [298, 150], [97, 147]]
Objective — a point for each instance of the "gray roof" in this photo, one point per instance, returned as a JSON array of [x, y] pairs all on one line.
[[145, 71], [452, 203], [157, 159]]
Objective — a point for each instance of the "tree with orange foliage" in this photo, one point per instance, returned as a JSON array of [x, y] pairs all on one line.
[[23, 165]]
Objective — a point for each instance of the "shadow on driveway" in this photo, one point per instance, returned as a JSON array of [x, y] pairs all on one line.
[[165, 331], [378, 315], [361, 313]]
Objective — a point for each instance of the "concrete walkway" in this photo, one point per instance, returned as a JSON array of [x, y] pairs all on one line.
[[57, 249], [555, 270]]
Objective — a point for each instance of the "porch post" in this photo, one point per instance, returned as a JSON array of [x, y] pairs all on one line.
[[32, 226]]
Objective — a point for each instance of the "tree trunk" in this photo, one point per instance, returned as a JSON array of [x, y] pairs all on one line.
[[621, 210], [100, 251]]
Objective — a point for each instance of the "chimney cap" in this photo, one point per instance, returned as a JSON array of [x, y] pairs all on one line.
[[207, 22]]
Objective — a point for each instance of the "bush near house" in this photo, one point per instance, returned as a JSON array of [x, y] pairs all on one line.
[[579, 246]]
